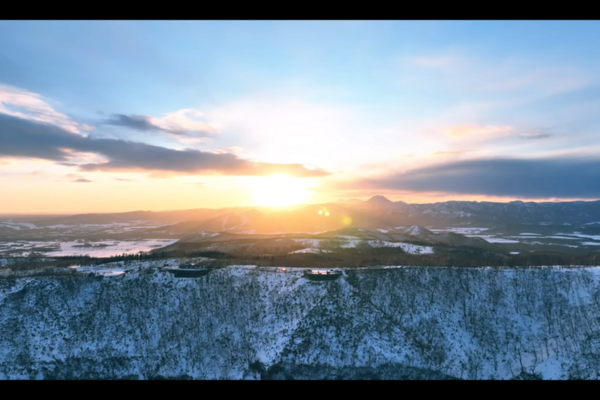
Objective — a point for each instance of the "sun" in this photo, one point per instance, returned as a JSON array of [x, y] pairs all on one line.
[[279, 190]]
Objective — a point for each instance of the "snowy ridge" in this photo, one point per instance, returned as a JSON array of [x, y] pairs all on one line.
[[242, 323]]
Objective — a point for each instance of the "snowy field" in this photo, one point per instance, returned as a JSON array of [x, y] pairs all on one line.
[[407, 247], [460, 230], [352, 243], [102, 248], [112, 227], [17, 225], [493, 239], [311, 250], [524, 237]]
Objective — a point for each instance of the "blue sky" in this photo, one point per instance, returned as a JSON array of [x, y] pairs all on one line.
[[362, 103]]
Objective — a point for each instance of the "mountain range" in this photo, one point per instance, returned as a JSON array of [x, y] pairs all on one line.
[[377, 213]]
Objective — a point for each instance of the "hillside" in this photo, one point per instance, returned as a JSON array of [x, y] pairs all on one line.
[[236, 323]]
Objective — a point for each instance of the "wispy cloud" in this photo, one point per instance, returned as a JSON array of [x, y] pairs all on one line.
[[82, 180], [445, 153], [137, 122], [534, 135], [181, 122], [477, 131], [32, 106]]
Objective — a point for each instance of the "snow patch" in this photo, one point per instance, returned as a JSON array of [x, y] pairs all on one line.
[[492, 239], [311, 250], [461, 230]]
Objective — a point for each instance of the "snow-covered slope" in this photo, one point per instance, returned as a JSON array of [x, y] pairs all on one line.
[[239, 323]]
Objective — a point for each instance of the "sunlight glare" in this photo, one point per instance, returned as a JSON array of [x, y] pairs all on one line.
[[279, 190]]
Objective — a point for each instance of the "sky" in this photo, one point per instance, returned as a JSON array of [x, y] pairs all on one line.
[[110, 116]]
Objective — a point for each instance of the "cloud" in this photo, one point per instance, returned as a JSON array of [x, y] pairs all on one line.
[[527, 178], [444, 153], [180, 122], [26, 138], [31, 106], [123, 180], [534, 135], [479, 131], [77, 178], [29, 138], [137, 122]]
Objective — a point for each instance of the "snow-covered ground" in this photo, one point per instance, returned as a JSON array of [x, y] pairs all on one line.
[[352, 243], [309, 242], [103, 248], [56, 230], [311, 250], [521, 236], [494, 239], [407, 247], [110, 248], [524, 237], [579, 235], [460, 230], [244, 322], [17, 225]]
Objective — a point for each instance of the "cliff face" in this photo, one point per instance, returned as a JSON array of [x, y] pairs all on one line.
[[415, 323]]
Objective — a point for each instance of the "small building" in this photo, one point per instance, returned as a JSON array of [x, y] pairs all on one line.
[[322, 275]]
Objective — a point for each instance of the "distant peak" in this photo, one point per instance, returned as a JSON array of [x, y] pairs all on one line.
[[379, 199]]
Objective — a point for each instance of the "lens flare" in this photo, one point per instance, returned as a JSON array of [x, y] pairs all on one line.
[[323, 211]]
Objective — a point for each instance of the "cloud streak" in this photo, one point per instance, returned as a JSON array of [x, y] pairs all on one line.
[[181, 122], [26, 138], [137, 122], [485, 131], [27, 105], [530, 136], [527, 178]]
